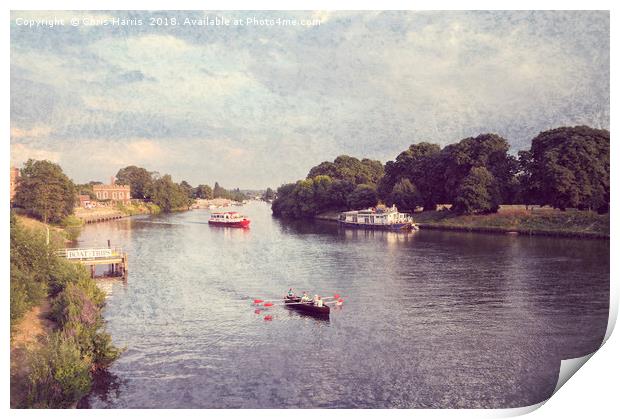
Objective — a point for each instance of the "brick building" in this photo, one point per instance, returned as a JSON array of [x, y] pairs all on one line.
[[113, 192], [84, 201]]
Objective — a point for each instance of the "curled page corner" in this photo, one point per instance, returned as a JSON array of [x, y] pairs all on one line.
[[568, 367]]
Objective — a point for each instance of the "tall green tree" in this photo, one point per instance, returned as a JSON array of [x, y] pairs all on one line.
[[269, 194], [187, 188], [45, 191], [405, 196], [421, 166], [477, 193], [568, 167], [168, 195], [486, 150], [138, 178], [350, 169], [203, 192], [364, 196], [219, 192]]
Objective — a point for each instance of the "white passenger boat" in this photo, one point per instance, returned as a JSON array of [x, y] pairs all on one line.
[[380, 217]]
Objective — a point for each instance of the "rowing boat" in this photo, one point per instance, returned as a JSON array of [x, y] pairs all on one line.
[[309, 307]]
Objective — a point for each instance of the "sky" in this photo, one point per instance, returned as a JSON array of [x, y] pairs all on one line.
[[258, 104]]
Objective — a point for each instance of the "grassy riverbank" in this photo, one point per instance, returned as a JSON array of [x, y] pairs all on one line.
[[120, 210], [58, 337], [584, 224], [547, 222]]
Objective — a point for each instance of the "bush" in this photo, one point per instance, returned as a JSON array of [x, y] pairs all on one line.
[[60, 371], [59, 375], [153, 208], [29, 269]]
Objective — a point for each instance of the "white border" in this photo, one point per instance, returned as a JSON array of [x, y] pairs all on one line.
[[592, 393]]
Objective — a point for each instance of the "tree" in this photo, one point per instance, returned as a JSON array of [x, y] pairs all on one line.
[[219, 192], [203, 192], [45, 191], [168, 195], [364, 196], [486, 150], [350, 169], [405, 196], [187, 188], [568, 167], [86, 189], [339, 192], [477, 193], [421, 166], [138, 178], [269, 195]]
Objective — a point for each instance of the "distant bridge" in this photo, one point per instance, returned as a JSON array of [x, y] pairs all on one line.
[[93, 256]]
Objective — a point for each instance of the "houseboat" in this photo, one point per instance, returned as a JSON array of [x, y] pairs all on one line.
[[229, 219], [381, 218]]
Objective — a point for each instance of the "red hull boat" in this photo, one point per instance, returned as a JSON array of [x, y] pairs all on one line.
[[229, 219]]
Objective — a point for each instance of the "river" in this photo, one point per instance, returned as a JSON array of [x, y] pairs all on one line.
[[430, 319]]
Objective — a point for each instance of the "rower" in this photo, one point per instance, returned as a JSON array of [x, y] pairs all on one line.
[[319, 302], [290, 293], [305, 297]]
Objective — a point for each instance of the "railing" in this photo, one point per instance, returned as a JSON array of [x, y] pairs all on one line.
[[90, 253]]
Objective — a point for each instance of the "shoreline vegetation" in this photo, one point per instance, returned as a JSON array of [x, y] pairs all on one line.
[[511, 220], [58, 336], [559, 187]]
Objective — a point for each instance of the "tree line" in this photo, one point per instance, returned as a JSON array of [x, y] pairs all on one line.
[[566, 167], [46, 193]]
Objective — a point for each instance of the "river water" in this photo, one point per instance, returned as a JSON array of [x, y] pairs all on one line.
[[430, 319]]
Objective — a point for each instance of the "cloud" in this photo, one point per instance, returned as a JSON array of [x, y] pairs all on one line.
[[34, 132], [20, 153], [259, 98]]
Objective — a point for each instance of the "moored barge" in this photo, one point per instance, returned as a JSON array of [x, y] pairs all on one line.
[[380, 218]]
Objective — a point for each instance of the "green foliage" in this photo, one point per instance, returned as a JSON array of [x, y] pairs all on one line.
[[45, 191], [59, 373], [569, 168], [269, 195], [487, 150], [138, 178], [30, 259], [86, 189], [72, 226], [168, 195], [405, 196], [477, 193], [77, 309], [153, 208], [565, 168], [235, 194], [202, 192], [364, 196], [309, 197], [421, 166], [350, 169], [60, 370]]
